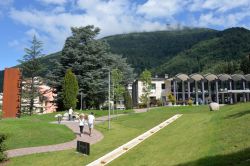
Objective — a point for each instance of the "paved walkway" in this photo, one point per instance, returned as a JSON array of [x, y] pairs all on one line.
[[141, 110], [95, 137]]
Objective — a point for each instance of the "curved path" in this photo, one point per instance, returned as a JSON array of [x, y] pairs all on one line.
[[95, 137]]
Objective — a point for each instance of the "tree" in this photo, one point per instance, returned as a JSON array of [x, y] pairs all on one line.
[[89, 59], [1, 81], [3, 156], [31, 68], [119, 89], [128, 100], [245, 64], [146, 78], [70, 90]]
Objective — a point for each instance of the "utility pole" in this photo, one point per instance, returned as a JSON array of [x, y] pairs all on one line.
[[81, 101], [109, 101], [113, 98]]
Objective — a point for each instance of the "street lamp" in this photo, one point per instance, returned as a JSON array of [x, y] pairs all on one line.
[[81, 94], [109, 77], [81, 99], [109, 100]]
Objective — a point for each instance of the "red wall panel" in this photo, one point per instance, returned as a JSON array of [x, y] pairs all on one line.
[[11, 92]]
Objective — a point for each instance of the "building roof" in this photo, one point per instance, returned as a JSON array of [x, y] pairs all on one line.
[[196, 77], [224, 77], [211, 77], [238, 77], [247, 76], [208, 77], [182, 77]]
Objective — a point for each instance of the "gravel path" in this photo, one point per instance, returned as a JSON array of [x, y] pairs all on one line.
[[94, 138]]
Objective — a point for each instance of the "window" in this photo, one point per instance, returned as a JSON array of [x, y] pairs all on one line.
[[153, 86], [162, 86]]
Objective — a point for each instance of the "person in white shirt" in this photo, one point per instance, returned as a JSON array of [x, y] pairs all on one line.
[[91, 120], [70, 113], [81, 124]]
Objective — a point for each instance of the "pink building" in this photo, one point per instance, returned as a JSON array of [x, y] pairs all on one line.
[[47, 99]]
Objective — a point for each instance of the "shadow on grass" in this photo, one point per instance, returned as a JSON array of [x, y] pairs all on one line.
[[240, 158], [239, 114]]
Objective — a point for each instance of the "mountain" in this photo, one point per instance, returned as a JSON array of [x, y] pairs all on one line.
[[188, 50], [151, 49], [227, 48]]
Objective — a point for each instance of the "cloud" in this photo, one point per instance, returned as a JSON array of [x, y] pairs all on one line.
[[55, 2], [160, 8], [217, 5], [224, 20], [5, 3]]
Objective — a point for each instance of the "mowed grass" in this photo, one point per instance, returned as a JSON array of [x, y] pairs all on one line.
[[36, 130], [30, 132], [123, 129], [198, 138]]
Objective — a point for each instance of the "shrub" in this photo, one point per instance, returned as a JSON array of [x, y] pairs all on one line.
[[142, 105], [190, 102], [3, 156], [159, 102], [171, 98]]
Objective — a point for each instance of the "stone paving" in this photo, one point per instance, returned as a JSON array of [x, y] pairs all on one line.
[[73, 125]]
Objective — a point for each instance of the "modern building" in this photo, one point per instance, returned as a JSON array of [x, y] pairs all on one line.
[[201, 89], [159, 91]]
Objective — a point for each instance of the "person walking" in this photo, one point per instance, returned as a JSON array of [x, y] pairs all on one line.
[[81, 124], [91, 120], [70, 113]]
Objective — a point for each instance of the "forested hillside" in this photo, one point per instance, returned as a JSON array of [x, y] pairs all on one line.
[[221, 54], [151, 49]]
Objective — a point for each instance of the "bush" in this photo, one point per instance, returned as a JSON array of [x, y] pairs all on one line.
[[159, 102], [142, 105], [190, 102], [171, 98], [3, 156]]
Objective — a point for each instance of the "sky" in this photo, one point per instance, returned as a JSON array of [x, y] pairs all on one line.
[[50, 20]]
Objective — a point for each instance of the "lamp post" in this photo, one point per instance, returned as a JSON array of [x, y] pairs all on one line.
[[109, 100], [81, 100], [109, 79]]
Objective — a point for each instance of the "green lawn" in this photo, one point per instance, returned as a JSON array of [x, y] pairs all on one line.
[[199, 137], [29, 132], [35, 130], [122, 130]]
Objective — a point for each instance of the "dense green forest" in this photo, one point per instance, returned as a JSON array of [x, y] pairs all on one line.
[[221, 54], [148, 50], [171, 52]]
